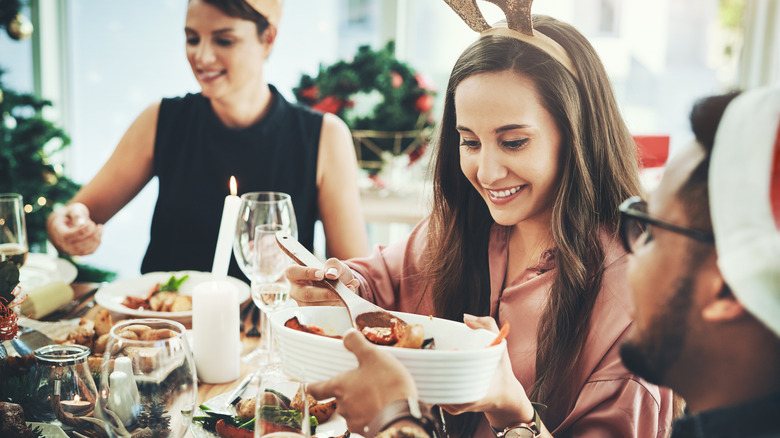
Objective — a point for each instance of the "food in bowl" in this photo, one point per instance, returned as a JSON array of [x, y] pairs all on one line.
[[399, 334], [458, 370]]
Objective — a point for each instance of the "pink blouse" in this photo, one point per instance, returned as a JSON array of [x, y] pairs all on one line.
[[611, 402]]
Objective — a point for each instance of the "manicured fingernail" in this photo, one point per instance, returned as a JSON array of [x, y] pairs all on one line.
[[468, 317], [332, 272]]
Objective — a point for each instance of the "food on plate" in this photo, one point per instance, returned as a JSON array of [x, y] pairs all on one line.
[[163, 297], [226, 430], [322, 411], [398, 334], [278, 413], [91, 332]]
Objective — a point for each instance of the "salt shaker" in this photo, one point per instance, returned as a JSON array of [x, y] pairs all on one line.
[[120, 399]]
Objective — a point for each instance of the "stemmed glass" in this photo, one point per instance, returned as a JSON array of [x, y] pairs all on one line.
[[147, 380], [260, 216], [13, 232]]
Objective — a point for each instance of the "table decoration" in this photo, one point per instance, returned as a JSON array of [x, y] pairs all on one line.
[[63, 389], [216, 335], [227, 229], [163, 372], [386, 103], [9, 280]]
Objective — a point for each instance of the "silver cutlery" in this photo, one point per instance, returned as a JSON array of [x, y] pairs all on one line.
[[30, 340]]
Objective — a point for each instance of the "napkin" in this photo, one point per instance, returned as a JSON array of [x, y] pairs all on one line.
[[45, 299]]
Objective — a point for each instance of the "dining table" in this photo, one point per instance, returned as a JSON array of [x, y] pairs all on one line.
[[206, 391]]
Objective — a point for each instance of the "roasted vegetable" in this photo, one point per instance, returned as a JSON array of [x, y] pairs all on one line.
[[226, 430]]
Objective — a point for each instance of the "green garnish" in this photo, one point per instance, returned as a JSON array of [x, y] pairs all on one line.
[[172, 285], [287, 417]]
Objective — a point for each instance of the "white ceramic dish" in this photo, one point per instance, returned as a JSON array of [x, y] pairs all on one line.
[[335, 426], [41, 269], [113, 294], [458, 370]]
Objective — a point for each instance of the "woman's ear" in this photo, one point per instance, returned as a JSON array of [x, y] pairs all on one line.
[[269, 38], [721, 306]]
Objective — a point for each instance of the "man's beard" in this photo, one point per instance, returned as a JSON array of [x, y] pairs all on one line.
[[652, 354]]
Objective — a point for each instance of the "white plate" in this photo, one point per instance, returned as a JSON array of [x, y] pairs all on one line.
[[112, 295], [41, 269], [48, 430], [335, 426]]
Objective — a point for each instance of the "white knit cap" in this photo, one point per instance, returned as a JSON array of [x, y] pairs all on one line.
[[744, 187]]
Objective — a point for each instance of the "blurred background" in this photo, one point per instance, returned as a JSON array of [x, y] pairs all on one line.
[[101, 62]]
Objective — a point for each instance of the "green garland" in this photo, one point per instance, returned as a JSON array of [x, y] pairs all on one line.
[[403, 98]]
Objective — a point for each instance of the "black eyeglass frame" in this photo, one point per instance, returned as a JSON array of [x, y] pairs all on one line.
[[627, 211]]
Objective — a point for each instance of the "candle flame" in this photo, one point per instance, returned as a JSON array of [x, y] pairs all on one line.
[[76, 398], [233, 186]]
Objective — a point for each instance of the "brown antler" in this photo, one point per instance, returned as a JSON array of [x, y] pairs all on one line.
[[518, 14], [470, 13]]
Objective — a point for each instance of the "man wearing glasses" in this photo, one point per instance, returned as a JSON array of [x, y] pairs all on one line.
[[705, 271]]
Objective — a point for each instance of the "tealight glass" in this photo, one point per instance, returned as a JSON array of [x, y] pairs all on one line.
[[63, 390]]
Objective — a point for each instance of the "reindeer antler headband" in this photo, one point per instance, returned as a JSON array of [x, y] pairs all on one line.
[[519, 25]]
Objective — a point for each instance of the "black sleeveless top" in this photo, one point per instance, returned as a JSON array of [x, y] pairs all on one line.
[[194, 157]]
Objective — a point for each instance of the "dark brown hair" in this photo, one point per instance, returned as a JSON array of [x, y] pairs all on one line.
[[600, 170], [241, 9]]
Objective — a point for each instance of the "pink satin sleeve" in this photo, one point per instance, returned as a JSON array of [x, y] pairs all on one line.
[[391, 276]]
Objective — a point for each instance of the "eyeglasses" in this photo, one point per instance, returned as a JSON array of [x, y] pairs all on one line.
[[634, 221]]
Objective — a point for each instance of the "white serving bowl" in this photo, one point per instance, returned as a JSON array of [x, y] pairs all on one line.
[[458, 370]]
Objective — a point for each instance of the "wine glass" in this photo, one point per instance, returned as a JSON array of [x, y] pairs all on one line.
[[147, 380], [268, 212], [13, 231], [270, 290], [282, 408]]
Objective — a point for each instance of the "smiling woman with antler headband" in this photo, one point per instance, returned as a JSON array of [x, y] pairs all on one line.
[[532, 162]]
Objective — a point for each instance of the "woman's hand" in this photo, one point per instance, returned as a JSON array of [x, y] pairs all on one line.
[[72, 231], [307, 288], [506, 402], [362, 393]]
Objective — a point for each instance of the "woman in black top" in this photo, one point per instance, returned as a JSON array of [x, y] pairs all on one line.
[[238, 125]]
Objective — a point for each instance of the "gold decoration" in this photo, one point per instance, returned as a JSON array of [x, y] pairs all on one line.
[[518, 14], [1, 96], [519, 24], [469, 12], [20, 28]]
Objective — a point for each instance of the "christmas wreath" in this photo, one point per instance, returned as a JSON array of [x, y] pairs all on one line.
[[385, 102]]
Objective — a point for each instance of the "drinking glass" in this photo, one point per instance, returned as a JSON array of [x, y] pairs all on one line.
[[13, 231], [281, 409], [266, 212], [147, 380], [270, 290]]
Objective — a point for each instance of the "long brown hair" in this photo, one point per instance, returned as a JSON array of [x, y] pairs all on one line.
[[599, 171]]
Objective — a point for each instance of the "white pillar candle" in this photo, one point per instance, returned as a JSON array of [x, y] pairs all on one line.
[[227, 232], [216, 337]]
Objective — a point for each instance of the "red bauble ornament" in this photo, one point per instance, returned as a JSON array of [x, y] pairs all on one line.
[[424, 103], [397, 79]]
